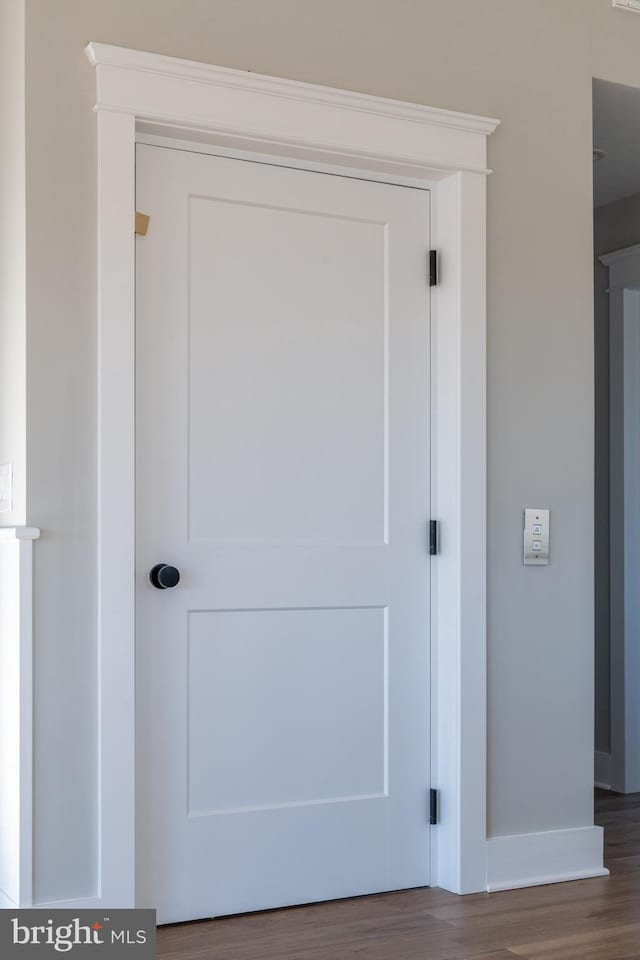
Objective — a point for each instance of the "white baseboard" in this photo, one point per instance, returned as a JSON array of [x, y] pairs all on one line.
[[602, 770], [86, 903], [6, 902], [532, 859]]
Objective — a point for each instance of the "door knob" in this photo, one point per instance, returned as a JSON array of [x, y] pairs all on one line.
[[164, 576]]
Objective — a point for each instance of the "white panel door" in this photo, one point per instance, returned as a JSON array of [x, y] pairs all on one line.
[[283, 468]]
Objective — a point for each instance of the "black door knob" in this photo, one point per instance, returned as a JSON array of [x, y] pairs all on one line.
[[163, 576]]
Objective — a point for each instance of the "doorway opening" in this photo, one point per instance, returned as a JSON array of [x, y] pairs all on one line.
[[616, 220]]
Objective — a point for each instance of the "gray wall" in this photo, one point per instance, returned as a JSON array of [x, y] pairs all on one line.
[[615, 225], [530, 64], [12, 252]]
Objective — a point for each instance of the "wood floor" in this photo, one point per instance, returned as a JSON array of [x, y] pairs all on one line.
[[586, 920]]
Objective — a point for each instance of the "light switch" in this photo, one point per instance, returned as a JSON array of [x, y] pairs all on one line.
[[536, 537], [6, 492]]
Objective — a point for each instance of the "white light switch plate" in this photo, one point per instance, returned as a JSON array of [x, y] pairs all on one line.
[[631, 5], [536, 537], [6, 484]]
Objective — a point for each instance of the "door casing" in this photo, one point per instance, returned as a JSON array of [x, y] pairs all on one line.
[[234, 113]]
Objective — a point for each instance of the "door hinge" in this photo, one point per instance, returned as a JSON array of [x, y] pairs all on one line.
[[434, 539], [433, 807], [433, 268]]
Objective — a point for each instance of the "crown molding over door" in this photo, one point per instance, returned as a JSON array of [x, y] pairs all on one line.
[[240, 113]]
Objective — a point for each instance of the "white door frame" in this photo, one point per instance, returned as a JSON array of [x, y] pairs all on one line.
[[325, 129]]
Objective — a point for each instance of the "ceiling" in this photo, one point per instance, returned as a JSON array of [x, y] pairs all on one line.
[[616, 130]]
